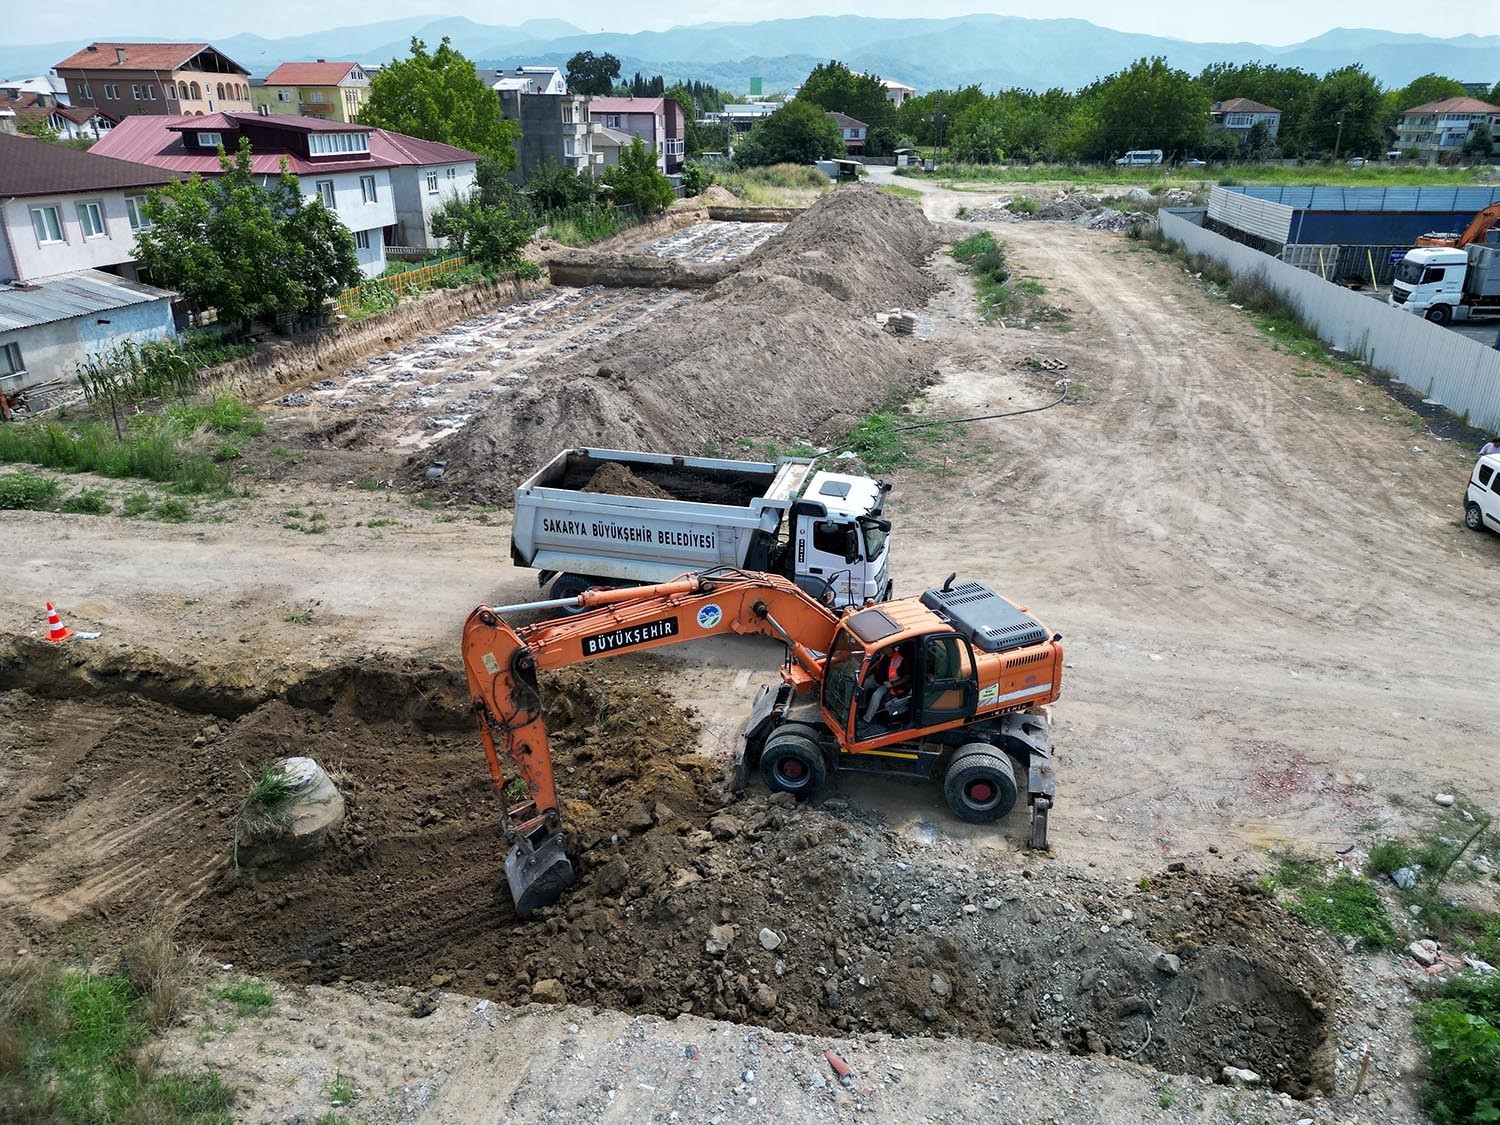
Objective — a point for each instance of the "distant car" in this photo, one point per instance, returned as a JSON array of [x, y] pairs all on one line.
[[1357, 162], [1195, 163]]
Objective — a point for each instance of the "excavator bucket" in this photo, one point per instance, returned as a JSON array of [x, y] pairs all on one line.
[[538, 873]]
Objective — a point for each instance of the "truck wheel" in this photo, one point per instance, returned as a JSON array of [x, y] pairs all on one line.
[[570, 586], [980, 784], [792, 763], [1440, 314], [1473, 518]]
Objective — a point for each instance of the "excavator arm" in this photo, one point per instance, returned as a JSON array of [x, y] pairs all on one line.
[[1478, 227], [502, 663]]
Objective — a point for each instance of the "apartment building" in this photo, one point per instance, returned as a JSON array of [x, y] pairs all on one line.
[[120, 79], [329, 91], [658, 122]]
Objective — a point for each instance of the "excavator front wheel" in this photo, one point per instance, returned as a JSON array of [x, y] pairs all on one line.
[[980, 783], [792, 763]]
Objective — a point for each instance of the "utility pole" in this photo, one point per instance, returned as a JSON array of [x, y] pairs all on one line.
[[1339, 138]]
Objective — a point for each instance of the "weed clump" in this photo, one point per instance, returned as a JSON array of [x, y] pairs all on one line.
[[26, 491], [1460, 1027]]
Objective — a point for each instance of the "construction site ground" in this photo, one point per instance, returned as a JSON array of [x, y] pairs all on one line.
[[1273, 619]]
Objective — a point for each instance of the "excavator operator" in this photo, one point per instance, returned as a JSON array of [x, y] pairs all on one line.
[[894, 685]]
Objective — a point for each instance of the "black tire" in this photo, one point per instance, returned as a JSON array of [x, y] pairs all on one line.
[[570, 586], [1440, 314], [1473, 518], [980, 784], [792, 763]]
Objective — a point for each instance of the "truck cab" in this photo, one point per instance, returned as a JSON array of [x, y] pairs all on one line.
[[1429, 282], [1482, 497], [840, 541]]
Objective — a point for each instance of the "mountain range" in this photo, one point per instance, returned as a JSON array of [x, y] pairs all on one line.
[[994, 51]]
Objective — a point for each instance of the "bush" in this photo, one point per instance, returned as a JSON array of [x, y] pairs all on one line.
[[1390, 855], [1461, 1030], [695, 178], [89, 502], [637, 182], [27, 491], [1023, 205]]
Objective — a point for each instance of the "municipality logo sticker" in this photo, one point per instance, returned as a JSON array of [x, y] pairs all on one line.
[[709, 616]]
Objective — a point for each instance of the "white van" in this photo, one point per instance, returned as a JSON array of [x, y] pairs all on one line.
[[1141, 156], [1482, 498]]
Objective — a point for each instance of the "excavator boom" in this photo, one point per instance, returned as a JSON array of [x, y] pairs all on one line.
[[502, 663], [1478, 227]]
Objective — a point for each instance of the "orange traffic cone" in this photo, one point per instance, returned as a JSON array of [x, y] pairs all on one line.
[[56, 631]]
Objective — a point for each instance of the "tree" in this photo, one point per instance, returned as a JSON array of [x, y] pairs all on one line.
[[1480, 142], [1284, 88], [553, 185], [440, 97], [592, 74], [246, 249], [797, 133], [490, 236], [1420, 91], [638, 182], [1148, 105], [833, 86], [37, 127], [1220, 146], [1349, 94], [695, 178], [1258, 143]]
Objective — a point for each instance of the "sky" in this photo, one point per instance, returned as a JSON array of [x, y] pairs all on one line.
[[1273, 22]]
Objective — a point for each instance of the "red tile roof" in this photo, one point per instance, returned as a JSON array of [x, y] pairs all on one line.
[[140, 56], [1454, 105], [1243, 105], [156, 139], [309, 73], [81, 114], [31, 167]]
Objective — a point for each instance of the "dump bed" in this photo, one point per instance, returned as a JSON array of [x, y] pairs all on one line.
[[648, 517]]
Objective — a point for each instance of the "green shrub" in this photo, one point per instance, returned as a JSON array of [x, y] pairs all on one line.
[[985, 257], [1461, 1030], [172, 511], [1023, 205], [89, 502], [26, 490], [1390, 855], [695, 178]]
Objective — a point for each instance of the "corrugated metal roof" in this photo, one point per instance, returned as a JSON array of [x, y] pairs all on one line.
[[1455, 199], [71, 294]]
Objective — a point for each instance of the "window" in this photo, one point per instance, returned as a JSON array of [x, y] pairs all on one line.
[[47, 223], [10, 360], [567, 114], [367, 189], [283, 95], [453, 173], [150, 93], [111, 92], [611, 120], [325, 193], [136, 211], [220, 88], [136, 92], [333, 144], [362, 239], [1432, 276], [210, 140], [196, 92], [431, 182], [91, 219], [835, 538], [314, 97], [85, 90], [1485, 473]]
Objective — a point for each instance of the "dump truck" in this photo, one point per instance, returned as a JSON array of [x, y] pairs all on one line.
[[1445, 284], [952, 684], [613, 518]]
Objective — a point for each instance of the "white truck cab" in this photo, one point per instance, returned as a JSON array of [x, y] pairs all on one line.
[[848, 547], [1443, 283], [1482, 497]]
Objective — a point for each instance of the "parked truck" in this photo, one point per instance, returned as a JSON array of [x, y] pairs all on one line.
[[1446, 283], [610, 517]]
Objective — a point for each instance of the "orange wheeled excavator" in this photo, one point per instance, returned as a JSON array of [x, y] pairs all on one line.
[[944, 684]]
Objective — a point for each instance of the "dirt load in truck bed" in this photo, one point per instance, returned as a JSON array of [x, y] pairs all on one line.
[[776, 350]]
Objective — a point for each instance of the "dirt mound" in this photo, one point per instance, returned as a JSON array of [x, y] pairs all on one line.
[[772, 351], [616, 478]]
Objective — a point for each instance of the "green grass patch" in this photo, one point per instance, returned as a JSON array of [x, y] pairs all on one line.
[[774, 185], [249, 997], [172, 511], [1340, 903], [74, 1045], [1460, 1027], [984, 254], [884, 440], [26, 491], [88, 502], [136, 504], [1023, 205], [900, 192], [380, 522], [300, 616]]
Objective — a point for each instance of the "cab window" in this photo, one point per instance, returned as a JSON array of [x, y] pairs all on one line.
[[842, 678], [1485, 473], [834, 538], [947, 676], [1433, 275]]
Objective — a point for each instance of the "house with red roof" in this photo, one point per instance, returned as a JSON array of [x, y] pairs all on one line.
[[330, 91], [658, 122], [121, 79], [385, 187], [1434, 130]]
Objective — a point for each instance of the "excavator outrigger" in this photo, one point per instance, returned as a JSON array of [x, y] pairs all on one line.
[[976, 670]]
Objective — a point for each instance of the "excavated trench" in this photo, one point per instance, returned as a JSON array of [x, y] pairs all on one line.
[[121, 776]]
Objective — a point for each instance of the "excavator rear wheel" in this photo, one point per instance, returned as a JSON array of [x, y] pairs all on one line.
[[980, 784], [792, 763]]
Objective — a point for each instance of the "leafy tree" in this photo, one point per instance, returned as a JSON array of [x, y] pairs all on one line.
[[1220, 146], [246, 249], [1258, 143], [1352, 94], [880, 140], [37, 127], [592, 74], [695, 178], [553, 185], [637, 181], [1480, 142], [440, 97], [493, 186], [491, 236], [1287, 89], [1420, 91], [797, 133], [928, 118], [1148, 105], [1493, 97], [833, 86]]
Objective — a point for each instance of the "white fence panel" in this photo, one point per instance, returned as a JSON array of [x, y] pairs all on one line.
[[1460, 373]]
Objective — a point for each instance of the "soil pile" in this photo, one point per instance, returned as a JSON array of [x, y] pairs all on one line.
[[619, 480], [777, 349]]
